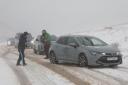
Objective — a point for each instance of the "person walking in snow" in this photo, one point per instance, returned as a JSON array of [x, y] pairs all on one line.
[[21, 48], [46, 40]]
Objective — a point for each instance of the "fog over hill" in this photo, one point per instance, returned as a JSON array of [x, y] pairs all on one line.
[[59, 16]]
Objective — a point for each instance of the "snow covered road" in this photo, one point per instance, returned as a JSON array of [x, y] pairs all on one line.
[[32, 74], [95, 76], [7, 76], [40, 72]]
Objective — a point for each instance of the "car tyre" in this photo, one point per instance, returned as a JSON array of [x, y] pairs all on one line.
[[53, 59], [83, 62]]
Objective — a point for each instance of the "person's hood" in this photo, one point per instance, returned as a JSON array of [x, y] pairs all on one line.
[[106, 49]]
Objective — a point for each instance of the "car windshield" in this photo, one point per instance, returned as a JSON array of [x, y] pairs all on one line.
[[91, 41], [97, 42]]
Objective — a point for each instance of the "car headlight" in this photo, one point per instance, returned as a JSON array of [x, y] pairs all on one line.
[[118, 53], [97, 53], [103, 53]]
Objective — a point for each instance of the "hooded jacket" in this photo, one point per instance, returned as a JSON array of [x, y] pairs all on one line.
[[22, 41], [46, 38]]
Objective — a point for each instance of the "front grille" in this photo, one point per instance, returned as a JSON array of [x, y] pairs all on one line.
[[103, 59]]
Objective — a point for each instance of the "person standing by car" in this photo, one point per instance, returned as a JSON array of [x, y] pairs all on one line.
[[21, 48], [46, 40]]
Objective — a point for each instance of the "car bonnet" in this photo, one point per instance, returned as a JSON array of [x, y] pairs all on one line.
[[106, 49]]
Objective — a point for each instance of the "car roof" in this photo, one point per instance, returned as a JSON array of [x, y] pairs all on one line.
[[76, 36]]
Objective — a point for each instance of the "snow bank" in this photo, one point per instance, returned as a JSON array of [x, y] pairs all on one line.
[[40, 75], [3, 43], [118, 35]]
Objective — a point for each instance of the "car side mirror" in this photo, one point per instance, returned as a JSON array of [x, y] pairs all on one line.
[[73, 45]]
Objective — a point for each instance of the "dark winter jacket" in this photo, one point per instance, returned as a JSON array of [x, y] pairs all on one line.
[[22, 42]]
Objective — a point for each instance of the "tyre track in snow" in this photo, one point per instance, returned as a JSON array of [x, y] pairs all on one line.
[[60, 71], [56, 69], [121, 82], [113, 78], [100, 78], [18, 72], [94, 77], [121, 68], [118, 80], [37, 76]]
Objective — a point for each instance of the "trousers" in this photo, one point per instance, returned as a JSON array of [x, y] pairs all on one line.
[[21, 56]]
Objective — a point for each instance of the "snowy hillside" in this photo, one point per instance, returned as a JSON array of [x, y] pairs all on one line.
[[117, 34]]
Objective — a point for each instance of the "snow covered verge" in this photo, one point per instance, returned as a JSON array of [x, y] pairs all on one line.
[[117, 34], [7, 76], [35, 73], [40, 75]]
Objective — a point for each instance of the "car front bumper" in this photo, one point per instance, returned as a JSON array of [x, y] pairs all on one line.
[[103, 61]]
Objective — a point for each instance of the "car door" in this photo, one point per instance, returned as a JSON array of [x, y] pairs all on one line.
[[71, 51], [61, 48]]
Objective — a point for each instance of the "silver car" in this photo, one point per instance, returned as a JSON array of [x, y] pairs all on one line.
[[38, 46], [84, 50]]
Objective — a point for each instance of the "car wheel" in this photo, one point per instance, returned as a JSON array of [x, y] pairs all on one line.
[[83, 61], [53, 58]]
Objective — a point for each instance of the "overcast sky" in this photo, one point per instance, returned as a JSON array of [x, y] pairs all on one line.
[[59, 16]]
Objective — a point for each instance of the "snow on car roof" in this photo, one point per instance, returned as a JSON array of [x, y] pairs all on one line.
[[75, 35]]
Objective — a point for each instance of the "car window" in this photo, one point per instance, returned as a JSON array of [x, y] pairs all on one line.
[[84, 41], [62, 40], [71, 40]]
